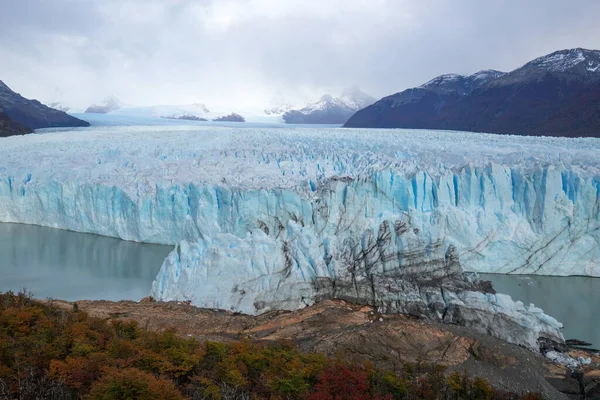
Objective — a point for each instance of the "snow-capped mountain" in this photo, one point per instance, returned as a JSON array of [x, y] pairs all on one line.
[[462, 84], [109, 104], [278, 109], [354, 98], [329, 109], [579, 61], [557, 94], [278, 106]]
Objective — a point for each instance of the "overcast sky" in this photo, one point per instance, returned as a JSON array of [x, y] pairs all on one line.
[[246, 52]]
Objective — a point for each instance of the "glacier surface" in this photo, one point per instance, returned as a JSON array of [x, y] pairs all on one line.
[[278, 218], [508, 204]]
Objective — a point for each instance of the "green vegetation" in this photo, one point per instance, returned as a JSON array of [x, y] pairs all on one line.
[[48, 353]]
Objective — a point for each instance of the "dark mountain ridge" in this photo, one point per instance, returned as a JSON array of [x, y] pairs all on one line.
[[554, 95], [32, 113], [8, 127]]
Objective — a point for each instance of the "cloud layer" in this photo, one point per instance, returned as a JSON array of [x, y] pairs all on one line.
[[245, 52]]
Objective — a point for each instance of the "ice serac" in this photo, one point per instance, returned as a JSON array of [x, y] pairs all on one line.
[[279, 218]]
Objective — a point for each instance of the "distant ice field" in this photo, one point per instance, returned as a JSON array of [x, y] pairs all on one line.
[[265, 156]]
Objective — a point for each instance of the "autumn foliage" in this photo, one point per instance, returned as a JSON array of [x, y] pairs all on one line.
[[48, 353]]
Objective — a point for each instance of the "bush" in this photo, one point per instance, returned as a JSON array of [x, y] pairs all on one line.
[[132, 384], [49, 353]]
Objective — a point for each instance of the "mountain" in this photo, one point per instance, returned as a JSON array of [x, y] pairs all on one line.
[[8, 127], [554, 95], [109, 104], [186, 117], [233, 117], [329, 109], [33, 114]]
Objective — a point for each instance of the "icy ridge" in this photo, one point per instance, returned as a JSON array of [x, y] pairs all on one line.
[[564, 60]]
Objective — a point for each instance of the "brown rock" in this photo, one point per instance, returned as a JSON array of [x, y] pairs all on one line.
[[148, 299]]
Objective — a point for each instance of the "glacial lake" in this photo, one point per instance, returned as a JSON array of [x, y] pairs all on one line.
[[571, 300], [53, 263], [75, 266]]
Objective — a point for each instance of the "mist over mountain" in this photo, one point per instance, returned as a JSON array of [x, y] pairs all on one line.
[[329, 109]]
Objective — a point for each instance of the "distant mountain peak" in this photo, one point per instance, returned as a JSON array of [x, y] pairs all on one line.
[[233, 117], [330, 109], [356, 98], [109, 104]]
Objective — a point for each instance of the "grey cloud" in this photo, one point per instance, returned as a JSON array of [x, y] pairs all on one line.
[[245, 51]]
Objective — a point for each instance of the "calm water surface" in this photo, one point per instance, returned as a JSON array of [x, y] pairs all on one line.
[[572, 300], [75, 266]]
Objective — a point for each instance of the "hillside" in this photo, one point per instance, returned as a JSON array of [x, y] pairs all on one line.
[[8, 127], [32, 113], [554, 95], [332, 350]]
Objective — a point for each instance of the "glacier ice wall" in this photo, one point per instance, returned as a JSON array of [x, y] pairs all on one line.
[[508, 204]]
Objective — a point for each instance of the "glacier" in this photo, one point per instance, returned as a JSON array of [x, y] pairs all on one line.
[[278, 218]]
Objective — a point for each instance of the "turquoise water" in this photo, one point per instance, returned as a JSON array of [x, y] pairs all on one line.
[[74, 266], [572, 300]]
